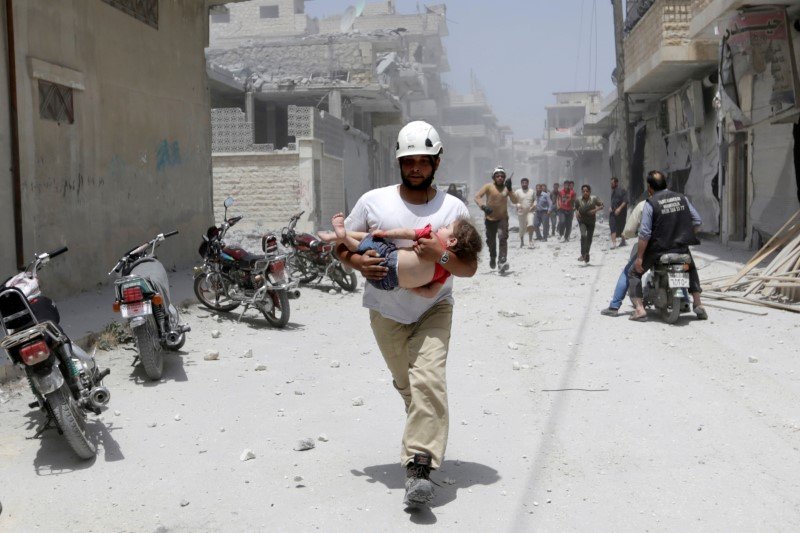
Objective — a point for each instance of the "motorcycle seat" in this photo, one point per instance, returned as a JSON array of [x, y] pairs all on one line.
[[249, 259], [674, 259]]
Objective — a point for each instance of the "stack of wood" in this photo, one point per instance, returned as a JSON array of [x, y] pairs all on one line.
[[772, 285]]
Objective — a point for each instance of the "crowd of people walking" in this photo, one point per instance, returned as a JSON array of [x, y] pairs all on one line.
[[545, 214]]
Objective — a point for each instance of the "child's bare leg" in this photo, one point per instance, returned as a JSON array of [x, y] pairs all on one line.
[[351, 239]]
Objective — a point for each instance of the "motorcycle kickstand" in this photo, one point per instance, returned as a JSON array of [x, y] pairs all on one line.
[[135, 360], [47, 425], [246, 307]]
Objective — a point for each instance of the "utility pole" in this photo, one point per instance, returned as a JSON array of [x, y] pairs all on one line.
[[622, 100]]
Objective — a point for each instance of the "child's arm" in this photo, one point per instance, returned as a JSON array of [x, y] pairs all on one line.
[[399, 233], [428, 291]]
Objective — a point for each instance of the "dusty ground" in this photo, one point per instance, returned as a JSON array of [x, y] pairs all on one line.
[[688, 427]]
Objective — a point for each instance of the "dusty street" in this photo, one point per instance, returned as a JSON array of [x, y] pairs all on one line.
[[561, 419]]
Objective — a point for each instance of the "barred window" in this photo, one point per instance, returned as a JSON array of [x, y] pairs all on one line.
[[144, 10], [55, 102]]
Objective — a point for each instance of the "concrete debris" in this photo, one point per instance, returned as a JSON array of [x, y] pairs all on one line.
[[333, 291], [513, 346], [508, 314], [305, 444], [247, 454], [449, 481], [299, 393], [487, 412], [752, 359], [151, 424], [177, 417], [211, 355], [117, 413], [358, 401], [260, 368], [323, 438], [516, 365], [526, 367], [334, 364], [458, 463], [298, 479], [184, 503], [248, 354], [215, 334]]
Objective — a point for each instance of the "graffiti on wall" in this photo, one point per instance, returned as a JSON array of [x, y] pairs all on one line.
[[168, 154]]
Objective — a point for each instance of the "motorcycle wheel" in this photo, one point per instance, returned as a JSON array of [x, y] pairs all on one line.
[[301, 269], [211, 297], [72, 422], [346, 280], [278, 316], [671, 313], [150, 353]]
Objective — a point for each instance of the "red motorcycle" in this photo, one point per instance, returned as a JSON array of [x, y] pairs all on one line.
[[312, 259], [231, 276]]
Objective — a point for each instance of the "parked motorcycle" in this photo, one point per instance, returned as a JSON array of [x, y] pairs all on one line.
[[664, 286], [64, 379], [313, 259], [143, 298], [231, 276]]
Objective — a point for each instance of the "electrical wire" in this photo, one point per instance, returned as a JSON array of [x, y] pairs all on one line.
[[580, 43]]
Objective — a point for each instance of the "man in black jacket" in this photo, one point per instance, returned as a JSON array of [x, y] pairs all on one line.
[[669, 224]]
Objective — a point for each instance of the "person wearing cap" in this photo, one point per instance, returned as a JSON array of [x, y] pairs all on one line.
[[413, 332], [493, 200]]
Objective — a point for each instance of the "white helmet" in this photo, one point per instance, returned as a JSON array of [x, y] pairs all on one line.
[[418, 138], [499, 170]]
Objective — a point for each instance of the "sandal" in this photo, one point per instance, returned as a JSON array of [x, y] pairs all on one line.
[[700, 311], [634, 318]]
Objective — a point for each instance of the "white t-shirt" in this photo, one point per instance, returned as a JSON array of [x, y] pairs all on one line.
[[526, 199], [384, 209]]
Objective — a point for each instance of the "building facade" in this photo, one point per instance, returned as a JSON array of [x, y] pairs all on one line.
[[108, 139]]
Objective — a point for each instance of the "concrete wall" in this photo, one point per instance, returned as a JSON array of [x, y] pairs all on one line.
[[301, 58], [8, 261], [266, 188], [136, 160], [331, 188], [773, 197], [356, 170]]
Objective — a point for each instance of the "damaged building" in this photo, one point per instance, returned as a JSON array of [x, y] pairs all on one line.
[[712, 88], [307, 111]]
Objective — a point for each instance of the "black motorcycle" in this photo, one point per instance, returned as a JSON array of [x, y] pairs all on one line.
[[313, 259], [665, 286], [231, 276], [64, 379]]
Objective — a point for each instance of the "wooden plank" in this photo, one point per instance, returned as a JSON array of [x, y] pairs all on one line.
[[760, 303], [772, 244]]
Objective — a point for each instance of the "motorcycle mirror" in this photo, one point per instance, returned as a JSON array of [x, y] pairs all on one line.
[[228, 201]]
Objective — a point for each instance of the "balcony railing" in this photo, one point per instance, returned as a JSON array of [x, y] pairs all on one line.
[[636, 10]]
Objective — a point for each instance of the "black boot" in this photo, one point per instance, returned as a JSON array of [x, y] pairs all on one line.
[[419, 487]]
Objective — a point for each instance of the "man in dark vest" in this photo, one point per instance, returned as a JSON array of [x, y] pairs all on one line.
[[669, 224]]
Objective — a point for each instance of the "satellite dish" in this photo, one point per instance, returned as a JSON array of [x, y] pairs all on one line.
[[348, 19]]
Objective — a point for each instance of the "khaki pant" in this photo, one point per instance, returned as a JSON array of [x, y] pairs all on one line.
[[416, 355]]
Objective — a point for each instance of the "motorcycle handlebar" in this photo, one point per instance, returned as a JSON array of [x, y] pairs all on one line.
[[59, 251], [170, 233]]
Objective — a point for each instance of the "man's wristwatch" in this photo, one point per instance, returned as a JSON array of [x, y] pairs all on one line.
[[445, 258]]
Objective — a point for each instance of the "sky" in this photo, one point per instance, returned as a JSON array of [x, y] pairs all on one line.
[[521, 51]]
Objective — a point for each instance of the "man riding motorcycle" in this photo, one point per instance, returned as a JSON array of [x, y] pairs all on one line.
[[669, 225]]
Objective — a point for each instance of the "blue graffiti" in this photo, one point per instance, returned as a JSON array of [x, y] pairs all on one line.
[[168, 155]]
